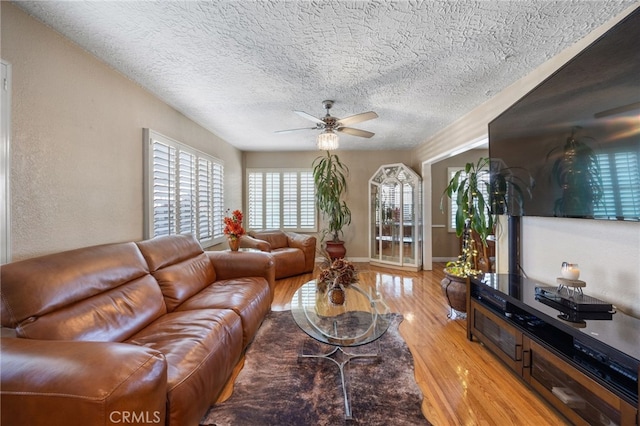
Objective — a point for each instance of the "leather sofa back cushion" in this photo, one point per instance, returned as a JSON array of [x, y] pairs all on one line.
[[277, 239], [180, 266], [102, 293]]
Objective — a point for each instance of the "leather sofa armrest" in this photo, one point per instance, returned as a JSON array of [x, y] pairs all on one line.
[[238, 264], [53, 382], [306, 243], [247, 241]]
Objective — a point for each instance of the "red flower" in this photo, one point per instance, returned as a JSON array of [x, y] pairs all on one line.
[[233, 225]]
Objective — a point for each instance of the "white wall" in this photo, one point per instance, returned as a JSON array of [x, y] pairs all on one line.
[[608, 254]]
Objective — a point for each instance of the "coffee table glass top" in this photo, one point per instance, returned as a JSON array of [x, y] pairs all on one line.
[[361, 319]]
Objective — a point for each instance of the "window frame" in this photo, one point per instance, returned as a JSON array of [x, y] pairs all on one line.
[[5, 162], [195, 191], [302, 198]]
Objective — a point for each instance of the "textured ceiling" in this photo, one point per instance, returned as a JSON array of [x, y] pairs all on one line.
[[239, 68]]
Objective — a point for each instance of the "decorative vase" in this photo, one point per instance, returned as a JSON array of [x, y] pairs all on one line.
[[336, 294], [454, 289], [336, 249], [234, 244]]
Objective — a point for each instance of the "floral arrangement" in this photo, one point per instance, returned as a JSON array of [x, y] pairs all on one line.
[[340, 271], [233, 225]]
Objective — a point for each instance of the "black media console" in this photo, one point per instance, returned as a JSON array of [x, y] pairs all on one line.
[[576, 351]]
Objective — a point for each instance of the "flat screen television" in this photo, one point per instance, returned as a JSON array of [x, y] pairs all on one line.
[[571, 146]]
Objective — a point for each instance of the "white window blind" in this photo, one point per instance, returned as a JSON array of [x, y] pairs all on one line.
[[281, 199], [183, 190]]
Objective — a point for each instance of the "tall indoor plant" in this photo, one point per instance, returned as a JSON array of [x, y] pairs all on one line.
[[476, 216], [330, 180], [473, 215]]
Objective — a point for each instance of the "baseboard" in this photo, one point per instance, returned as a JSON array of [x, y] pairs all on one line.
[[350, 259], [444, 259]]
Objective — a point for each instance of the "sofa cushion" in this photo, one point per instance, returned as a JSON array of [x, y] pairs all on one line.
[[288, 261], [102, 293], [47, 382], [249, 297], [180, 266], [201, 348], [276, 238]]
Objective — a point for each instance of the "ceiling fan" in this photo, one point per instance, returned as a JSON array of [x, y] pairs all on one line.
[[331, 124]]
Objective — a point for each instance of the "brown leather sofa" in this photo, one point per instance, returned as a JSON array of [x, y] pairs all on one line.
[[293, 253], [138, 333]]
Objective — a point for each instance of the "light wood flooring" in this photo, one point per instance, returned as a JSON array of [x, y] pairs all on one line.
[[462, 382]]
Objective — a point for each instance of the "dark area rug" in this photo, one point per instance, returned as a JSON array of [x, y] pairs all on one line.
[[276, 388]]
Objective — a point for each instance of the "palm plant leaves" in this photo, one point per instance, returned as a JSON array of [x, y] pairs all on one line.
[[330, 179]]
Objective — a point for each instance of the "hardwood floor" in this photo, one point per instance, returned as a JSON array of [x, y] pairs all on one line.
[[462, 382]]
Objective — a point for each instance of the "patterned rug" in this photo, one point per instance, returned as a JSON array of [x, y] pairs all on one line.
[[277, 388]]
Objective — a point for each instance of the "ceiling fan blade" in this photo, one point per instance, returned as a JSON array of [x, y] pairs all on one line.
[[358, 118], [309, 117], [355, 132], [295, 130]]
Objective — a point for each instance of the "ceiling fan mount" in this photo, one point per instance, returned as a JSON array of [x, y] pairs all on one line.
[[327, 105], [331, 123]]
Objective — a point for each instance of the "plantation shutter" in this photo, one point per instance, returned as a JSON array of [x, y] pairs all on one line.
[[186, 193], [217, 213], [205, 196], [272, 201], [281, 200], [290, 200], [255, 203], [184, 190], [163, 189], [307, 202]]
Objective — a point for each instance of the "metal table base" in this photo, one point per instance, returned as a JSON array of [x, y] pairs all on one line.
[[341, 360]]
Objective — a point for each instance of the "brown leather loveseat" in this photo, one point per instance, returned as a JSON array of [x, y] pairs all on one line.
[[137, 333], [294, 253]]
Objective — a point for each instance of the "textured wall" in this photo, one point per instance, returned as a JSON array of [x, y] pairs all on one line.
[[76, 173]]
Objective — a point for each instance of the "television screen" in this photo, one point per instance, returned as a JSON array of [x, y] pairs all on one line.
[[571, 146]]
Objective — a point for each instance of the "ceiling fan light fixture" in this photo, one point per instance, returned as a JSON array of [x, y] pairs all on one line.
[[328, 140]]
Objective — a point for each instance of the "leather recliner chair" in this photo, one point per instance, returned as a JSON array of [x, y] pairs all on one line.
[[293, 253]]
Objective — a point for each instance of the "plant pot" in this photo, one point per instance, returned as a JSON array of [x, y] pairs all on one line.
[[454, 289], [336, 249]]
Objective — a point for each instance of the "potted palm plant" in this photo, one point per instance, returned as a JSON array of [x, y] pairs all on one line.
[[330, 180], [476, 216], [473, 216]]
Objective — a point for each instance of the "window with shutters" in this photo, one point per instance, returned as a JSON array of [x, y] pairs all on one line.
[[281, 199], [183, 190]]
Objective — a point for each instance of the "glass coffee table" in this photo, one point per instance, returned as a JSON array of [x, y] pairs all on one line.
[[361, 319]]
